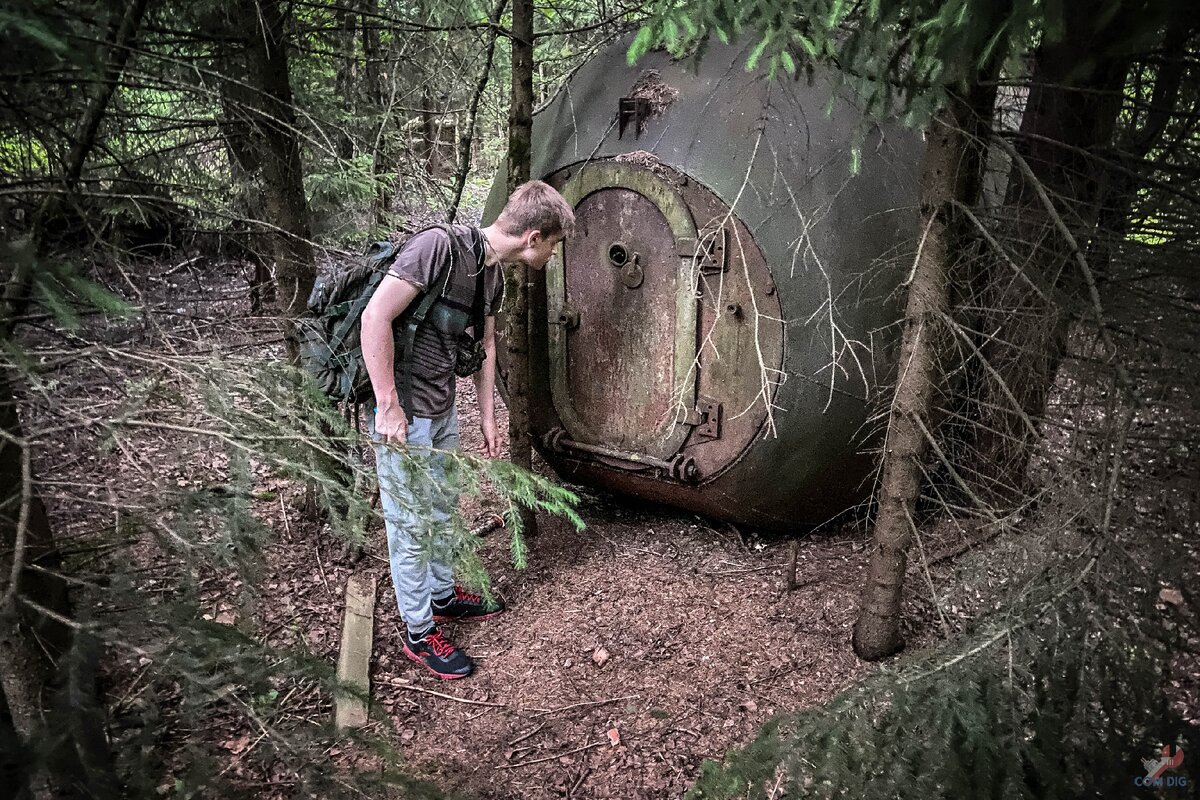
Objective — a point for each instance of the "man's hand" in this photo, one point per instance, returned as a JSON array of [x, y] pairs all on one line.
[[485, 391], [491, 437], [391, 425]]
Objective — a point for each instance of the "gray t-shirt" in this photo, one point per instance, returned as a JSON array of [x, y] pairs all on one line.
[[420, 262]]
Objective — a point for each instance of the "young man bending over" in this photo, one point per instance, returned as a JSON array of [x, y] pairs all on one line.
[[535, 219]]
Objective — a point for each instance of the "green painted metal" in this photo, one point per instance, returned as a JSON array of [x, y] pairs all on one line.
[[836, 245]]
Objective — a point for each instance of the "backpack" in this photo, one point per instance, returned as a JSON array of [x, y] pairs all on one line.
[[330, 338]]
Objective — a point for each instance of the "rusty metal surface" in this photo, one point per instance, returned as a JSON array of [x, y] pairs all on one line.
[[735, 349], [624, 375], [813, 254], [620, 377], [741, 334]]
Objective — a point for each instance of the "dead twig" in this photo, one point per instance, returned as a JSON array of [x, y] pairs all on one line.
[[180, 267], [792, 559], [741, 540], [287, 526], [785, 671], [739, 571], [321, 570], [964, 547], [583, 773], [928, 575], [525, 736], [409, 687], [549, 758], [592, 703]]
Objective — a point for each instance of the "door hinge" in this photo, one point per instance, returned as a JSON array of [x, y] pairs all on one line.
[[707, 419], [708, 250]]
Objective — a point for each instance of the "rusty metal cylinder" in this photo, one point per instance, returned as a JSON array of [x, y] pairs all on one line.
[[717, 332]]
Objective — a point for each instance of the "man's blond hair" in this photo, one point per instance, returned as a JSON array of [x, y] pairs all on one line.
[[537, 206]]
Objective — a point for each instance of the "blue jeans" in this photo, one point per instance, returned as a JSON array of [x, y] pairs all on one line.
[[418, 502]]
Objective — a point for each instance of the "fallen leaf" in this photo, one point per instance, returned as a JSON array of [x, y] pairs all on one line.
[[614, 736], [600, 656], [1172, 596], [749, 706], [236, 745]]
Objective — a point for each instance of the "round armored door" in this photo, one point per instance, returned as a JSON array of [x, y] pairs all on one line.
[[622, 308]]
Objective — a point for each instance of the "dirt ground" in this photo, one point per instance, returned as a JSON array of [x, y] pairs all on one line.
[[630, 652]]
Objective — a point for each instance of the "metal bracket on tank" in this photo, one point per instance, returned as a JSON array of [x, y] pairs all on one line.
[[679, 467], [568, 318], [708, 249], [707, 419], [632, 109]]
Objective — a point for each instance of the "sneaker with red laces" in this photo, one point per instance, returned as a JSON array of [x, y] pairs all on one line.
[[463, 605], [436, 653]]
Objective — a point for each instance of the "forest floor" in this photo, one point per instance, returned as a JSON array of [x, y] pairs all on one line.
[[630, 652]]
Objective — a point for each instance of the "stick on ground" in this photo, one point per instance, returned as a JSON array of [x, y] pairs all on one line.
[[354, 660]]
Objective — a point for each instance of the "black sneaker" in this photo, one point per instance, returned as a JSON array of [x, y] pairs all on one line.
[[462, 605], [438, 654]]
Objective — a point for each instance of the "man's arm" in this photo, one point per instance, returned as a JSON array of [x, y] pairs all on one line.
[[485, 385], [379, 354]]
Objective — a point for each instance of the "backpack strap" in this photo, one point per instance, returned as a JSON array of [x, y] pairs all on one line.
[[350, 311], [477, 301], [353, 312], [414, 320]]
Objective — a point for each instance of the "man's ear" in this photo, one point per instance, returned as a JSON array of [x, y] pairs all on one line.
[[533, 237]]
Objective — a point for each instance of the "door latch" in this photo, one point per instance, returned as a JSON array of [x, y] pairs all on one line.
[[568, 318]]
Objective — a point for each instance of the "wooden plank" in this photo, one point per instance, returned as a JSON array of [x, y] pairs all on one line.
[[354, 659]]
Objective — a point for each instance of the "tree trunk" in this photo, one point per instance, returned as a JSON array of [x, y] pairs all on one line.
[[1069, 118], [243, 148], [429, 133], [345, 80], [16, 287], [16, 762], [949, 175], [25, 672], [47, 668], [274, 117], [383, 161], [1142, 135], [516, 327], [115, 60], [466, 140]]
